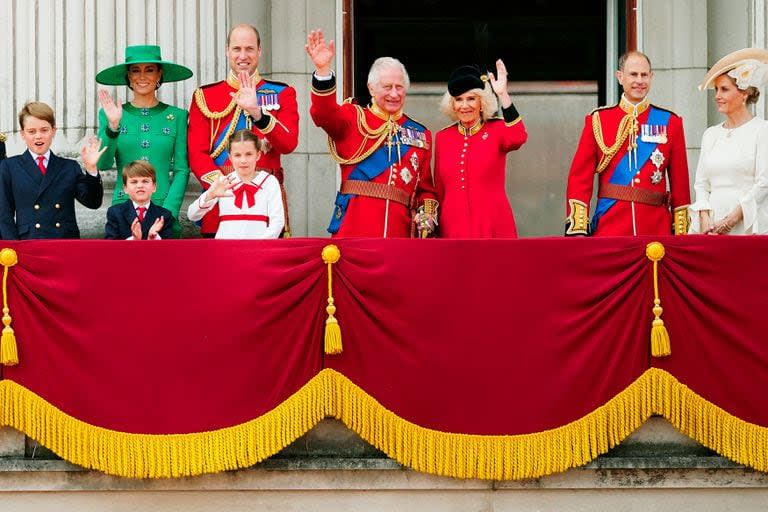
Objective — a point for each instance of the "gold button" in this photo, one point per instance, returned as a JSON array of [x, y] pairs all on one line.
[[57, 206], [37, 207], [58, 225], [37, 226]]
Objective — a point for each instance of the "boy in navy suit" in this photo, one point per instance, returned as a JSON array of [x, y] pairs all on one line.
[[139, 218], [38, 189]]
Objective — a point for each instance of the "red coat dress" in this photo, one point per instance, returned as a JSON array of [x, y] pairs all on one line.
[[627, 217], [210, 115], [355, 134], [470, 169]]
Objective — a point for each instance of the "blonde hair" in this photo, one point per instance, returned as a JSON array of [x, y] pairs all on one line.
[[39, 110], [489, 105], [139, 169]]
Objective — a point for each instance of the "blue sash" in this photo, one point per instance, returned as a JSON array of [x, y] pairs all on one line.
[[623, 174], [267, 95], [367, 170]]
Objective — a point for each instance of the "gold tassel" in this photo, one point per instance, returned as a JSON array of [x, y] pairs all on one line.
[[660, 344], [331, 255], [9, 355]]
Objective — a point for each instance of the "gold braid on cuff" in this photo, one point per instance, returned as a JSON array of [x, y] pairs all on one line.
[[577, 222], [680, 220]]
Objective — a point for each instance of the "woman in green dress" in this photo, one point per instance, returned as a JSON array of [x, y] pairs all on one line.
[[145, 128]]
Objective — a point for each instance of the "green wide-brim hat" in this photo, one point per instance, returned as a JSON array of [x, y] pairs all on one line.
[[142, 54]]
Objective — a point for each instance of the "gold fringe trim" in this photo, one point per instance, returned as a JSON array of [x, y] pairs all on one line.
[[330, 393], [493, 457], [163, 456], [9, 354]]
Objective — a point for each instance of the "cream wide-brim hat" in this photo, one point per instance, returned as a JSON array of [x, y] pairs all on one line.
[[732, 61]]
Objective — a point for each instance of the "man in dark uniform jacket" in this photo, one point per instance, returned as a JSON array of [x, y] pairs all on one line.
[[38, 188]]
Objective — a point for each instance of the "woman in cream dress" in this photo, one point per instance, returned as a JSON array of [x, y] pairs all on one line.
[[732, 176]]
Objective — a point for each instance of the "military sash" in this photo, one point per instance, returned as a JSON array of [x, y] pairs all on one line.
[[267, 96], [378, 162], [623, 173]]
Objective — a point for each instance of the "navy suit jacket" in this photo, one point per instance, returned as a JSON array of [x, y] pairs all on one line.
[[37, 206], [120, 217]]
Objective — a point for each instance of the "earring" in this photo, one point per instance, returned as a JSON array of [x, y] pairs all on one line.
[[157, 85]]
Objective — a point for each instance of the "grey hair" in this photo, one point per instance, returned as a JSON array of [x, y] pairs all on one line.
[[387, 62], [633, 53], [489, 105]]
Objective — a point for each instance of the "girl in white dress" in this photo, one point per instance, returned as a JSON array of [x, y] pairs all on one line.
[[250, 201], [732, 175]]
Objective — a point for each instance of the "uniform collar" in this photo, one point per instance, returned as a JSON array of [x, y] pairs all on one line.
[[234, 82], [631, 108], [384, 115], [468, 132]]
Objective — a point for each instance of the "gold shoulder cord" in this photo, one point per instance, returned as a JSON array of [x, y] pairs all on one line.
[[625, 127], [203, 106], [380, 134], [216, 152]]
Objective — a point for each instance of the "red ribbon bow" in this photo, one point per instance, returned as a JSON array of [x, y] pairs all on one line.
[[247, 191]]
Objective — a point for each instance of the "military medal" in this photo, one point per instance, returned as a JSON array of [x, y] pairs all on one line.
[[267, 100], [653, 133], [415, 162], [406, 175], [657, 158], [415, 138]]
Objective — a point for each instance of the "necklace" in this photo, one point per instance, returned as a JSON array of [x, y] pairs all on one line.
[[731, 128]]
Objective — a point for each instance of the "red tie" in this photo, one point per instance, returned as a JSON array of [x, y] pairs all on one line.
[[140, 213], [41, 164]]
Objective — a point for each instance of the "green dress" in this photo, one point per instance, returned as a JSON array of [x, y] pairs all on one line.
[[157, 135]]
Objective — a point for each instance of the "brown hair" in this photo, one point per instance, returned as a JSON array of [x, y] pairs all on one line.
[[39, 110], [752, 92], [262, 146], [245, 25], [139, 169]]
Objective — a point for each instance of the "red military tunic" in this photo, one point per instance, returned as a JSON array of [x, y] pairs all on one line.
[[470, 171], [354, 133], [628, 217], [210, 114]]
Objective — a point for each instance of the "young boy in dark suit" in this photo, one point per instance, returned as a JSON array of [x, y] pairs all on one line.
[[38, 189], [139, 218]]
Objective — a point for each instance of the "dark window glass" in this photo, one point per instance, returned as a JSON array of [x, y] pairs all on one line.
[[539, 40]]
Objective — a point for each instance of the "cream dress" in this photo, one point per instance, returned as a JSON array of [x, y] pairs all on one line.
[[733, 169]]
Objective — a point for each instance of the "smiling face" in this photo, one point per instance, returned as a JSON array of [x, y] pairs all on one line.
[[140, 189], [243, 50], [635, 78], [467, 107], [37, 134], [388, 93], [728, 98], [144, 78]]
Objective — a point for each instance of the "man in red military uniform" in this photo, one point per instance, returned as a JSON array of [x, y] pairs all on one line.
[[384, 155], [243, 100], [638, 151]]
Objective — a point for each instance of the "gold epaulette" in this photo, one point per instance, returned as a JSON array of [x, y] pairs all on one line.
[[604, 107], [3, 138], [203, 106]]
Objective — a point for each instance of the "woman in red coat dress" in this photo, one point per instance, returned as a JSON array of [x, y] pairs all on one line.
[[471, 155]]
